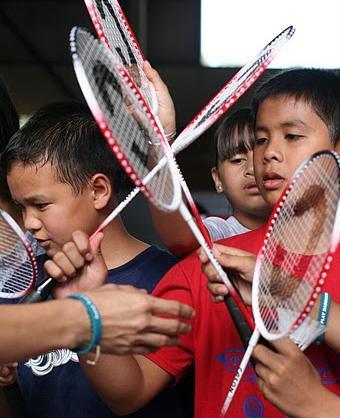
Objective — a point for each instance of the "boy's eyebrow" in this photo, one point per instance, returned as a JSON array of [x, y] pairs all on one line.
[[29, 199], [288, 124]]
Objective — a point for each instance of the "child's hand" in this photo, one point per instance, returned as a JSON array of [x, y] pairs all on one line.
[[237, 263], [79, 266], [8, 374], [166, 109]]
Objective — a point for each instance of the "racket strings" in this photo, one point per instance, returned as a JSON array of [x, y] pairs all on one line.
[[297, 247], [17, 268], [122, 114], [113, 28], [232, 91]]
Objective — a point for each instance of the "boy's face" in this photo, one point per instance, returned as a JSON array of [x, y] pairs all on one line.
[[50, 209], [287, 132]]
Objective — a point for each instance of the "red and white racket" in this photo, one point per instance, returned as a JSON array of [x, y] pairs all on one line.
[[115, 119], [114, 30], [18, 266], [291, 268]]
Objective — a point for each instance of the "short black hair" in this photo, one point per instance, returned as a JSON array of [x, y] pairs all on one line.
[[318, 88], [9, 124], [235, 135], [66, 135]]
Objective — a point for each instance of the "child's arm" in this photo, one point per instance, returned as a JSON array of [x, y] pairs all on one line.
[[126, 383], [288, 380], [171, 228]]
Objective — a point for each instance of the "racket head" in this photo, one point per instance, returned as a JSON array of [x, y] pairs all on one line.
[[302, 236], [125, 120], [114, 30], [18, 266], [232, 91]]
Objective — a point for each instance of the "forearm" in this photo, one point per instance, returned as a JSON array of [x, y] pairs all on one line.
[[123, 382], [28, 330], [174, 232]]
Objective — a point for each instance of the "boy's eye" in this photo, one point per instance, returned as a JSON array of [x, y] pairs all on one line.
[[41, 206], [293, 137], [260, 141]]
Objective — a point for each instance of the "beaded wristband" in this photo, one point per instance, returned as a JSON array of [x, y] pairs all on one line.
[[96, 324], [171, 135], [323, 315]]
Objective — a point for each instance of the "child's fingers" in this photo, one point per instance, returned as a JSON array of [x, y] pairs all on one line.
[[83, 244], [8, 374], [54, 271], [95, 243]]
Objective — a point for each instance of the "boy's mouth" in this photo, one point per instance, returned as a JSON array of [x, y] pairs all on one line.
[[44, 243], [272, 181]]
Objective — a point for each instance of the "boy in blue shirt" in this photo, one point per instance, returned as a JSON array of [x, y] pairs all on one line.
[[63, 176]]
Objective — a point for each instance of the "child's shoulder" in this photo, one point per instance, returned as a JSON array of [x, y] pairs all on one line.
[[250, 241]]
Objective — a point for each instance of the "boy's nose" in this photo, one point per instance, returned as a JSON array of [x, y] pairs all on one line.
[[273, 152], [31, 222]]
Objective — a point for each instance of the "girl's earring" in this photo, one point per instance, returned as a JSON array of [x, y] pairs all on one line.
[[219, 188]]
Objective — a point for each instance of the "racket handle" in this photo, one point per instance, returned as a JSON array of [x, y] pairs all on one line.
[[41, 293], [242, 326]]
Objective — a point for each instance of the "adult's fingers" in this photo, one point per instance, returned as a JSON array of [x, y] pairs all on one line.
[[171, 307], [168, 326]]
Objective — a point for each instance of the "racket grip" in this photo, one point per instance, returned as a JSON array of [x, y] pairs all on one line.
[[242, 326], [41, 293]]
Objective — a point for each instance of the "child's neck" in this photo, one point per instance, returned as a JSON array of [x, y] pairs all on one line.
[[118, 246]]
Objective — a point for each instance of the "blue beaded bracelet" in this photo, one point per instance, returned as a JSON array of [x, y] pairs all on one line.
[[323, 314], [96, 323]]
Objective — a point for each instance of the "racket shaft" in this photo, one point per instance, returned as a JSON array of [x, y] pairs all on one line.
[[245, 360], [198, 235], [41, 293]]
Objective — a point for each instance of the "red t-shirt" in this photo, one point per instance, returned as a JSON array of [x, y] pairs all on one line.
[[215, 347]]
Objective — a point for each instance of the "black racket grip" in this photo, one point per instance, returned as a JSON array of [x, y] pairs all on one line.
[[242, 326], [41, 293]]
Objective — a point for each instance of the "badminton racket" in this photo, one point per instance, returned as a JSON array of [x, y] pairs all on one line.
[[113, 29], [18, 266], [89, 53], [291, 268]]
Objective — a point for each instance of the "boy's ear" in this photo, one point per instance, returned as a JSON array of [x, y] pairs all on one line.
[[101, 190], [217, 180]]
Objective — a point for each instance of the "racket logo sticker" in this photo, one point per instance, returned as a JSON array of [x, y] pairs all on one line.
[[126, 55]]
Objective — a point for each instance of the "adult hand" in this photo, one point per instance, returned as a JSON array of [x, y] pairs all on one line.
[[239, 266], [131, 321]]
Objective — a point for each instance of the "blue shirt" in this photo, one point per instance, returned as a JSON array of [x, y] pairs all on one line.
[[54, 385]]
